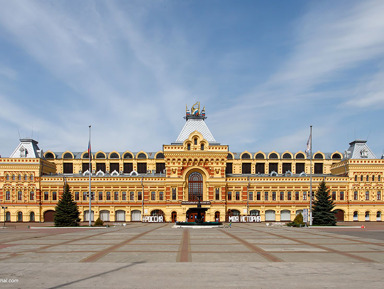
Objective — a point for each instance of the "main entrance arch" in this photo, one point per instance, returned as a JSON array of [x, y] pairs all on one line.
[[195, 187]]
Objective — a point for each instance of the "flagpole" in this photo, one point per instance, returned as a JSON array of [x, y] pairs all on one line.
[[90, 173], [310, 180]]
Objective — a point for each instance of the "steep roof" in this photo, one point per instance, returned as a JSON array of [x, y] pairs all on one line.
[[27, 148], [359, 149], [195, 124]]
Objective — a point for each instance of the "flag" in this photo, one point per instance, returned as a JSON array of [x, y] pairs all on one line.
[[309, 144]]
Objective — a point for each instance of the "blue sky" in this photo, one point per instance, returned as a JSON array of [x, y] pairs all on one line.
[[264, 70]]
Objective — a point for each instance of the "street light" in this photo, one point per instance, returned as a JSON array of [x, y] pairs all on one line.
[[4, 208]]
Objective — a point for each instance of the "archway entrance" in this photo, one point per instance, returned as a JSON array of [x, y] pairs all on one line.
[[192, 215], [49, 216], [174, 216], [339, 214], [217, 216], [195, 187]]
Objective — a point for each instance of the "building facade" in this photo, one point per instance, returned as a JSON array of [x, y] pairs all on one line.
[[129, 186]]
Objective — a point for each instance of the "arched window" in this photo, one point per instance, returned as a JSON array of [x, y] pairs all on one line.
[[19, 196], [318, 156], [113, 156], [195, 187], [85, 156], [160, 156], [32, 217], [336, 157], [49, 156], [245, 156], [7, 177], [31, 177], [100, 156], [7, 216], [19, 216], [128, 156], [229, 157], [260, 156], [273, 156], [202, 146], [189, 146], [13, 177], [19, 177], [287, 156], [67, 156], [300, 156], [25, 177], [141, 156]]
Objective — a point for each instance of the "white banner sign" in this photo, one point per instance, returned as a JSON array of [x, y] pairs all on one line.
[[153, 219], [305, 215], [245, 219]]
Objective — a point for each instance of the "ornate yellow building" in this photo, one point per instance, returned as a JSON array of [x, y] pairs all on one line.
[[128, 185]]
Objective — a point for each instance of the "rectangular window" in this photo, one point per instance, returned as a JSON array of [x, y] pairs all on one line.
[[77, 196], [174, 194], [108, 196], [217, 194], [46, 196], [318, 168], [355, 178], [124, 196], [100, 196], [229, 196], [334, 196], [246, 168], [114, 167], [273, 196], [287, 167], [128, 168], [68, 168], [153, 196], [304, 196], [161, 196], [258, 196], [273, 167], [160, 168], [139, 195], [379, 196], [19, 196], [379, 178], [361, 178], [85, 167], [373, 178], [131, 196], [355, 196], [100, 167], [367, 178], [54, 196], [84, 196], [367, 196], [116, 196], [237, 196], [341, 196], [289, 197], [8, 195], [297, 196], [142, 168], [281, 196], [265, 196], [32, 196], [228, 169], [300, 167], [260, 168], [250, 196]]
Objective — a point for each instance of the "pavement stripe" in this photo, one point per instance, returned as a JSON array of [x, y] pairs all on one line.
[[254, 248], [99, 255], [184, 254], [362, 259]]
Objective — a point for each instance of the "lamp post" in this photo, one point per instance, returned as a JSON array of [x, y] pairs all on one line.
[[4, 208], [142, 198]]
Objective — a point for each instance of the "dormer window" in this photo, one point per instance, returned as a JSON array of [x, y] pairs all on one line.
[[202, 146], [364, 153], [195, 141], [189, 146]]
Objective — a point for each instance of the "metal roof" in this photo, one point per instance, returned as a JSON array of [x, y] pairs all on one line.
[[192, 125]]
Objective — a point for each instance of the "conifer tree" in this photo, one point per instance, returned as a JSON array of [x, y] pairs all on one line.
[[323, 213], [67, 212]]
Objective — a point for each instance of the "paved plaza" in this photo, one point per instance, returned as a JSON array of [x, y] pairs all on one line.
[[143, 255]]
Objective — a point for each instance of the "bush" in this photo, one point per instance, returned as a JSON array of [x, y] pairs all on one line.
[[297, 222], [99, 222]]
